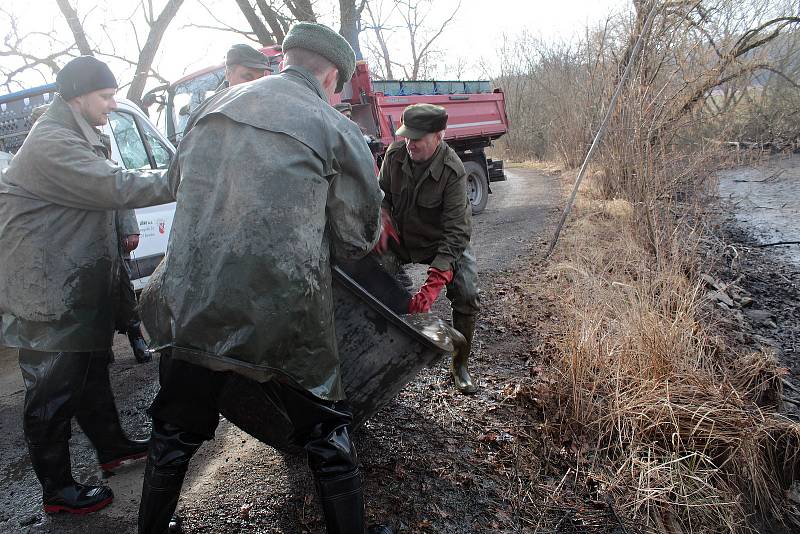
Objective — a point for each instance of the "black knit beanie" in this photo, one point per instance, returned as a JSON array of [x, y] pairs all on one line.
[[82, 75]]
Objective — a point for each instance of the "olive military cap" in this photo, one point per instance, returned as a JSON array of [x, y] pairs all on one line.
[[322, 40], [421, 119], [246, 56]]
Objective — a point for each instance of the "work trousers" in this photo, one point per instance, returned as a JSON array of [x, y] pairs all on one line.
[[55, 392], [189, 399]]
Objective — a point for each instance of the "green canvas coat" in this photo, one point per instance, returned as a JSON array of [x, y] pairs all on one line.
[[59, 247], [433, 216], [275, 183]]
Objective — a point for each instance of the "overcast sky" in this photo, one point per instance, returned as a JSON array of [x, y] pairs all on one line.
[[474, 34]]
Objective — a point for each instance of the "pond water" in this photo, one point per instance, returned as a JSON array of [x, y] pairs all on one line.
[[765, 199]]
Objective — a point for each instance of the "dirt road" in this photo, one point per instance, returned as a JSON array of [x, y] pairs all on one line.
[[420, 455]]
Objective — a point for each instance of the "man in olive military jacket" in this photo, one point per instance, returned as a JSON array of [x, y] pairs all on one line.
[[425, 199]]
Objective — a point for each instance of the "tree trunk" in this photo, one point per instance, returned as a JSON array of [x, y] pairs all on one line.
[[351, 24], [302, 10], [76, 27], [271, 16], [262, 33], [375, 23], [148, 52]]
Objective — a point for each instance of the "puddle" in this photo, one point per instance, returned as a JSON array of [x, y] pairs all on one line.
[[766, 200]]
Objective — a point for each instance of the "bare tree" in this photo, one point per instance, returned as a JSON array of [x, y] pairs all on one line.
[[421, 39], [263, 35], [277, 23], [76, 27], [350, 23], [19, 46], [269, 20], [302, 10], [414, 19], [147, 53], [26, 51], [378, 25]]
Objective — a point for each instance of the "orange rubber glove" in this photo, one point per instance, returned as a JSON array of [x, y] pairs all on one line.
[[426, 296]]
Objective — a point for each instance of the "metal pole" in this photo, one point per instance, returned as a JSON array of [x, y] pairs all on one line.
[[598, 136]]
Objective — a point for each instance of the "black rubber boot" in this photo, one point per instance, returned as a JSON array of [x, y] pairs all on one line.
[[97, 416], [342, 501], [60, 492], [458, 366], [138, 344], [171, 449]]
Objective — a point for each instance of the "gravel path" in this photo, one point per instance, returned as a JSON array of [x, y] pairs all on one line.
[[426, 458]]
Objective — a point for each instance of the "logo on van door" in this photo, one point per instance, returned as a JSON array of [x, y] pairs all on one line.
[[162, 226]]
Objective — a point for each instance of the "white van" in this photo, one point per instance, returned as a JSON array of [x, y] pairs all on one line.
[[137, 144]]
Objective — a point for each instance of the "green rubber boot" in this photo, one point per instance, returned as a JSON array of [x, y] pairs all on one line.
[[465, 324]]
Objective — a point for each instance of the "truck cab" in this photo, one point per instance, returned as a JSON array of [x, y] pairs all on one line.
[[136, 143]]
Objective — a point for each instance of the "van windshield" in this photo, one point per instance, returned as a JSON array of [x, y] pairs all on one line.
[[188, 95]]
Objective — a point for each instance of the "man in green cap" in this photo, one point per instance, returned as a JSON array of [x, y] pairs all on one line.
[[243, 63], [425, 199], [278, 184]]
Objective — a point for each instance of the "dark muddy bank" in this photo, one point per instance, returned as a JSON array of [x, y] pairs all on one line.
[[760, 208]]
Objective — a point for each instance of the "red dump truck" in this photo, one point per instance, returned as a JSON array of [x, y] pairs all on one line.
[[477, 113]]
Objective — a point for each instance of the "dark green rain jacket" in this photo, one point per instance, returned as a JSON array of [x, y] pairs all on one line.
[[59, 247], [275, 183]]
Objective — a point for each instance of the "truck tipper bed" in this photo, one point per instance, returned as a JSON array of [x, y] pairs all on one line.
[[477, 114]]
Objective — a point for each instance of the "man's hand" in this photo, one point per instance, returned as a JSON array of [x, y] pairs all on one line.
[[387, 232], [130, 242], [426, 296]]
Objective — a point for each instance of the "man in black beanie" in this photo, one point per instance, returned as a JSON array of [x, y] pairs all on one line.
[[59, 276]]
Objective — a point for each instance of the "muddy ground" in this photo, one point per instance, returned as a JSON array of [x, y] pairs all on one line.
[[433, 461]]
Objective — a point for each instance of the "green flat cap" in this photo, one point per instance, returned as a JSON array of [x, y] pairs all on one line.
[[341, 107], [421, 119], [246, 56], [327, 43]]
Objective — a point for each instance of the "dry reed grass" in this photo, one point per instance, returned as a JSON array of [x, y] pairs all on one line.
[[688, 424]]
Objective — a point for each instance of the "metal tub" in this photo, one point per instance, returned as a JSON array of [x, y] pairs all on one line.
[[380, 353]]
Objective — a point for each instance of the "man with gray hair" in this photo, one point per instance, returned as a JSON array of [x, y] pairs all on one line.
[[277, 184]]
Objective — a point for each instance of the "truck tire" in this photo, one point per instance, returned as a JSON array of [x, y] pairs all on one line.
[[477, 186]]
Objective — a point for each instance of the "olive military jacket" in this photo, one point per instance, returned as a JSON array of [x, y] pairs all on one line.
[[433, 216], [59, 247], [275, 183]]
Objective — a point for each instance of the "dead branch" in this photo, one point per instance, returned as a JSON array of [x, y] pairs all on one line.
[[148, 51], [262, 33], [302, 10], [76, 27], [777, 243], [278, 24]]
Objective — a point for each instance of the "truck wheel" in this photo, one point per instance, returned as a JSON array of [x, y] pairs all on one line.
[[477, 186]]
